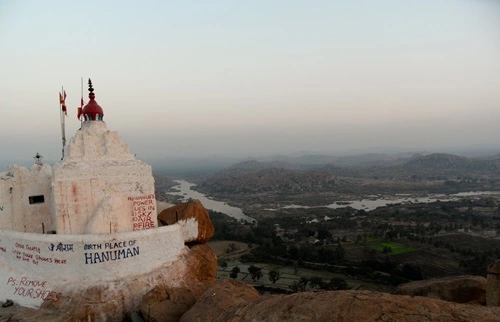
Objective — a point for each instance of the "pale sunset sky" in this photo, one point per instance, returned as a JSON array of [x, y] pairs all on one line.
[[248, 78]]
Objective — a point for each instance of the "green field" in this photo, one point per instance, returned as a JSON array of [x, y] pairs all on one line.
[[396, 248]]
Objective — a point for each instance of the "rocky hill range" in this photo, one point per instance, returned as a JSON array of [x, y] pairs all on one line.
[[280, 176]]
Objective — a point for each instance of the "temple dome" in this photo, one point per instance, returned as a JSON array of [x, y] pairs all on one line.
[[92, 111]]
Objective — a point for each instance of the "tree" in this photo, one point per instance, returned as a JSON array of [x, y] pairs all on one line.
[[300, 285], [336, 283], [274, 276], [323, 233], [303, 281], [411, 272], [231, 247], [234, 272], [316, 281], [255, 272], [294, 286], [223, 265]]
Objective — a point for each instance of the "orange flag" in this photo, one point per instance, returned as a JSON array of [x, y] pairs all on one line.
[[80, 109]]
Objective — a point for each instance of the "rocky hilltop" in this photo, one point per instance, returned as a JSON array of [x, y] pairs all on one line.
[[459, 289], [235, 301]]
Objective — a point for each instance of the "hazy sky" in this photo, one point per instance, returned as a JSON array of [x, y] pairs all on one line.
[[245, 78]]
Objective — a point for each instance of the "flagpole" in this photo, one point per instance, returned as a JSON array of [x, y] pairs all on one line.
[[81, 103], [63, 134]]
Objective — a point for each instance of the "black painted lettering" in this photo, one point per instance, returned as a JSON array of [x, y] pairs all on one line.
[[88, 257]]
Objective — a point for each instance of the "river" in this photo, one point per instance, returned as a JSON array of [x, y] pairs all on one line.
[[185, 191], [377, 201]]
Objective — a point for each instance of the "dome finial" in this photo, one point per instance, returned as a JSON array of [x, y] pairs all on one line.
[[91, 90]]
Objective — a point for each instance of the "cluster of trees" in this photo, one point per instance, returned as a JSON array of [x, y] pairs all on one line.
[[296, 286], [386, 271], [334, 284], [332, 254], [422, 223], [478, 265], [254, 272], [442, 216]]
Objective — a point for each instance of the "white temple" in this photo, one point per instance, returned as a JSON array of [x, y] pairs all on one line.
[[99, 187], [88, 220]]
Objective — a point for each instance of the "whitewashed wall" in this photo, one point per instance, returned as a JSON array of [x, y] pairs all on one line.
[[5, 201], [16, 186], [100, 187], [32, 266]]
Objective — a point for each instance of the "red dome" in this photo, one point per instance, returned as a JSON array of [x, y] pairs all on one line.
[[92, 111]]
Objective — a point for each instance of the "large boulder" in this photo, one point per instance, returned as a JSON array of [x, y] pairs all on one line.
[[194, 219], [460, 289], [346, 306], [223, 296], [167, 303], [164, 304]]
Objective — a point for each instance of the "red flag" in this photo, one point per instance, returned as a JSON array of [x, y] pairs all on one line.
[[63, 103]]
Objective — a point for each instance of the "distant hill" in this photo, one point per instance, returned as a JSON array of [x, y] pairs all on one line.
[[313, 159], [254, 165], [373, 159], [449, 163], [279, 176], [492, 157], [437, 160], [254, 176]]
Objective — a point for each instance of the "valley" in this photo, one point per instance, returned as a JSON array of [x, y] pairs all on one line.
[[439, 217]]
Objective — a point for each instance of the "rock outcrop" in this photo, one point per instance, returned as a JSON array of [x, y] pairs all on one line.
[[189, 214], [460, 289], [164, 304], [220, 298], [233, 301]]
